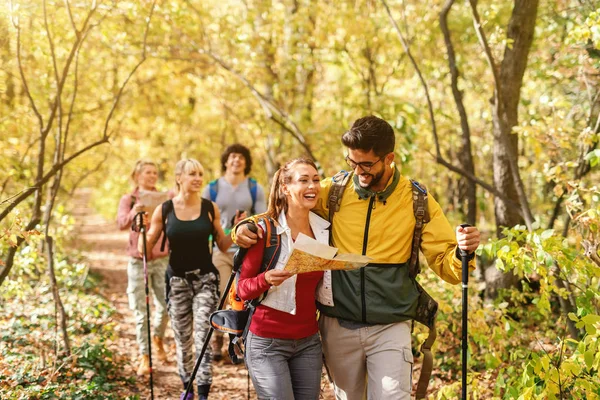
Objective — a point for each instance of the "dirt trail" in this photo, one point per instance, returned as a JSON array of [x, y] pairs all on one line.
[[104, 247]]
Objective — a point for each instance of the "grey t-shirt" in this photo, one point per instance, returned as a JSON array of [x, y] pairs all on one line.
[[230, 199]]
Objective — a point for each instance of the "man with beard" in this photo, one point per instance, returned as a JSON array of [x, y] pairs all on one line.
[[365, 321]]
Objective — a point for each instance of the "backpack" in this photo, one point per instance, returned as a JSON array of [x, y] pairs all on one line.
[[167, 207], [236, 321], [213, 187], [427, 306]]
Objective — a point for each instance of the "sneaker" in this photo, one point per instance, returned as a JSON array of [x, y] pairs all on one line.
[[160, 349], [190, 396], [144, 368]]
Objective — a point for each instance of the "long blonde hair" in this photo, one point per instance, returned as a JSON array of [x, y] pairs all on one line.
[[277, 199], [137, 169], [187, 165]]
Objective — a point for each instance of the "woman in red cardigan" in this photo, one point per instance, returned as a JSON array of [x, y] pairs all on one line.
[[144, 177], [283, 348]]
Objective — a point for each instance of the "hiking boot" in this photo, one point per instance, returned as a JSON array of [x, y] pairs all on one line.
[[190, 396], [144, 368], [159, 347]]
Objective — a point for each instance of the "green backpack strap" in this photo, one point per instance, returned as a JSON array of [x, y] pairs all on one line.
[[427, 306], [421, 211], [336, 192]]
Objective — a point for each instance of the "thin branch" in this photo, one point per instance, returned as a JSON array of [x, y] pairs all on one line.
[[83, 176], [122, 88], [63, 77], [17, 26], [72, 106], [473, 178], [419, 74], [486, 48], [27, 192], [68, 7], [267, 105]]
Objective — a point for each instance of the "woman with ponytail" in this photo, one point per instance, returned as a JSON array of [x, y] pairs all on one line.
[[283, 348]]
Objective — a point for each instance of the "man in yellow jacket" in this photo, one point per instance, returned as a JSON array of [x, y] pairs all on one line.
[[365, 314]]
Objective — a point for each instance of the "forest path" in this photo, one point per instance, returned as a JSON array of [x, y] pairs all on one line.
[[104, 248]]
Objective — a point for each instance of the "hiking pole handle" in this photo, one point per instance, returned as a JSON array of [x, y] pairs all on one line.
[[464, 256], [138, 221]]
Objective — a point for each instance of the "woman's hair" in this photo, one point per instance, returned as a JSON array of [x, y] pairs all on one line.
[[277, 199], [137, 169], [186, 166]]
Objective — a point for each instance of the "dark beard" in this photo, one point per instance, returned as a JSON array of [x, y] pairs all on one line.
[[376, 178]]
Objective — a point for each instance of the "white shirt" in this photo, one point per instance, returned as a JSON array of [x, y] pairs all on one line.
[[283, 297]]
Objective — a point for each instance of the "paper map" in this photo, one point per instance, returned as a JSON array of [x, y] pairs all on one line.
[[309, 255], [151, 199]]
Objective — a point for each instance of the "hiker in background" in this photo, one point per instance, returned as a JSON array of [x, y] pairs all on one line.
[[238, 196], [192, 279], [144, 177], [366, 314], [283, 349]]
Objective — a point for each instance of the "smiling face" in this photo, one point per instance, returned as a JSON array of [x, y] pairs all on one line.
[[236, 163], [147, 177], [303, 189], [373, 172], [189, 176]]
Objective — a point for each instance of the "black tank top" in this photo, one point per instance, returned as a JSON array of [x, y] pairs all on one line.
[[188, 242]]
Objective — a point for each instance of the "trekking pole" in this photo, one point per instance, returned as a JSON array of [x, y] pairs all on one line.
[[464, 256], [145, 262], [237, 263]]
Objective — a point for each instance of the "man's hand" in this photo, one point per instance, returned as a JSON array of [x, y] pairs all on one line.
[[245, 238], [276, 277], [239, 217], [467, 238]]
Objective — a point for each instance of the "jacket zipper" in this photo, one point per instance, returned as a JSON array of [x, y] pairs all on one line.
[[362, 270]]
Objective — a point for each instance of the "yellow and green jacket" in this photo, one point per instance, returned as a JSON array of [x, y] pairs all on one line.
[[381, 227]]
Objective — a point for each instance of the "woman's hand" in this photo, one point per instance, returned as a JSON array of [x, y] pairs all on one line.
[[276, 277]]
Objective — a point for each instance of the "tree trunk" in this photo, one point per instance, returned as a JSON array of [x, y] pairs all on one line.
[[505, 116], [466, 188]]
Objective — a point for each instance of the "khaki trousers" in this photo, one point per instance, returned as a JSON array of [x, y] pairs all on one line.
[[374, 361], [224, 264]]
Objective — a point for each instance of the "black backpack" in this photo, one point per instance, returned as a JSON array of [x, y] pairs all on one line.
[[236, 321], [167, 207]]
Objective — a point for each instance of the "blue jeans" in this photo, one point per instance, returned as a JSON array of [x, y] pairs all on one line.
[[285, 369]]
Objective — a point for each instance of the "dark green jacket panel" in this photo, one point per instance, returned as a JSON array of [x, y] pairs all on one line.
[[389, 295]]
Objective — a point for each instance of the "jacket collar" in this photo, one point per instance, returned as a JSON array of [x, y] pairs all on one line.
[[365, 194]]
